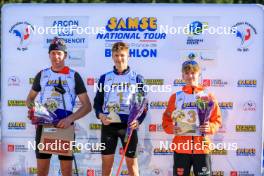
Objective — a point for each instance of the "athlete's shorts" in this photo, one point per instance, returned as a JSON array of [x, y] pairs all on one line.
[[111, 133], [201, 164], [44, 155]]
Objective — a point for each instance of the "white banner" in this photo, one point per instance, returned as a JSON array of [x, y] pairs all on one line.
[[228, 45]]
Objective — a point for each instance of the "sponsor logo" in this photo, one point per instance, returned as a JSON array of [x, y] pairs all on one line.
[[124, 172], [233, 173], [91, 81], [152, 127], [14, 171], [17, 125], [95, 151], [178, 82], [23, 32], [249, 106], [206, 82], [246, 152], [32, 170], [72, 30], [155, 127], [226, 105], [137, 53], [245, 34], [218, 173], [158, 104], [16, 103], [192, 56], [132, 24], [10, 148], [13, 81], [195, 29], [214, 83], [93, 172], [79, 171], [245, 128], [121, 150], [245, 173], [205, 55], [90, 172], [158, 151], [16, 148], [95, 126], [159, 127], [189, 105], [142, 31], [154, 81], [218, 152], [156, 172], [56, 82], [247, 83]]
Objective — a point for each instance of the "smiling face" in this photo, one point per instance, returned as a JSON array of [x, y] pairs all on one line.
[[190, 73], [191, 78], [57, 58], [120, 55], [120, 59]]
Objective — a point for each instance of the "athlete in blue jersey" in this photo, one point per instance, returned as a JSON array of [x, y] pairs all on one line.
[[112, 107], [44, 86]]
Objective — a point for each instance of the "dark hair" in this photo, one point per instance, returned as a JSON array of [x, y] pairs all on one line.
[[119, 46], [57, 44]]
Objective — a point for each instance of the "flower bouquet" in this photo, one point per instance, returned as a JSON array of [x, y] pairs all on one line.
[[204, 106], [40, 115], [137, 107]]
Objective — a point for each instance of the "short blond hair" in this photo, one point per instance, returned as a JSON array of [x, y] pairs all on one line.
[[190, 66], [120, 46]]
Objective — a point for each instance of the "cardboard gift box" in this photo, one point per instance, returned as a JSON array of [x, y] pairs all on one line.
[[57, 140]]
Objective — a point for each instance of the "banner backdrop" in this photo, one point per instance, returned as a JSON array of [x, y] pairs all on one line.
[[228, 45]]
